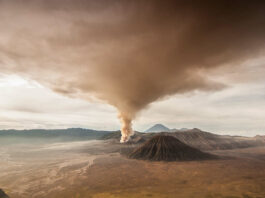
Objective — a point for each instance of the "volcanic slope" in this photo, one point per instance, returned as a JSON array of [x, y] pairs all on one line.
[[168, 148]]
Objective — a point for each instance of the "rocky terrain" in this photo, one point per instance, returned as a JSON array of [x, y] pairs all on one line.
[[168, 148]]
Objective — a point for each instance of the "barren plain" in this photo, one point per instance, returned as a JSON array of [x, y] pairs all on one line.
[[96, 169]]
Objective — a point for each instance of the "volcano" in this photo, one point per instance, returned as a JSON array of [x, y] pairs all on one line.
[[168, 148], [157, 128]]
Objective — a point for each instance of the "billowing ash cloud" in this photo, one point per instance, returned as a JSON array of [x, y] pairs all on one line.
[[127, 53]]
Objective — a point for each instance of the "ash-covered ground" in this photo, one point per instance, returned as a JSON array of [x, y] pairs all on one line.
[[95, 168]]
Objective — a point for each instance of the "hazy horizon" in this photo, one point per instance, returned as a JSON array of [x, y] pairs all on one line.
[[48, 110], [142, 131]]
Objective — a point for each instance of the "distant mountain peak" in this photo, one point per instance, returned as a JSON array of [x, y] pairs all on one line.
[[158, 128]]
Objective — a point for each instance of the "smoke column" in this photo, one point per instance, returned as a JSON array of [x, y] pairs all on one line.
[[128, 53], [126, 128]]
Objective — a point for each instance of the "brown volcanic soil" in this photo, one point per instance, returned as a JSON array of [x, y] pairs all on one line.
[[241, 175], [168, 148], [120, 177]]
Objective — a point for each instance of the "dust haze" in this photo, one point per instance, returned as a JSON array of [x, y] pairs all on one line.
[[128, 53]]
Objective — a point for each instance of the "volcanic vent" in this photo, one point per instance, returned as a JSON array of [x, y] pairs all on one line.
[[168, 148]]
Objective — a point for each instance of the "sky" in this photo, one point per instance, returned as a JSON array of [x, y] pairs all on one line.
[[236, 110], [94, 64]]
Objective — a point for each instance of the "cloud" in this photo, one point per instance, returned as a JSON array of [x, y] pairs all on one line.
[[128, 53]]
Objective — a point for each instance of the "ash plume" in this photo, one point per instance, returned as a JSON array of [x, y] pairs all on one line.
[[126, 128], [128, 53]]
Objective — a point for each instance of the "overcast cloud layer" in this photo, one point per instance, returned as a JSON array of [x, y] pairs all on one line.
[[130, 53]]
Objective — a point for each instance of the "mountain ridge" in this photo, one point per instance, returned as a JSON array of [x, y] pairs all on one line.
[[196, 138], [157, 128], [67, 134]]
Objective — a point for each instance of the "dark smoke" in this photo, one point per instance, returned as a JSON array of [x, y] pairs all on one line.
[[128, 53]]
